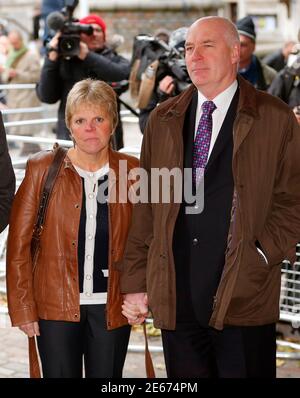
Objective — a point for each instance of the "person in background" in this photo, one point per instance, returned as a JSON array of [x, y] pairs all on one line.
[[210, 269], [250, 67], [7, 179], [70, 296], [22, 66], [4, 48], [162, 34], [95, 60], [278, 59], [166, 84], [286, 84]]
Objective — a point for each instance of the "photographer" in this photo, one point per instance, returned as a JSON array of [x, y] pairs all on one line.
[[170, 78], [286, 84], [95, 60]]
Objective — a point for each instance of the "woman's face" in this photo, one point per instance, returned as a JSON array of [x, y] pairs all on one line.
[[91, 128]]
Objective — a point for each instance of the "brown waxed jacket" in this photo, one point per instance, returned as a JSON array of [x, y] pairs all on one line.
[[266, 171], [49, 289]]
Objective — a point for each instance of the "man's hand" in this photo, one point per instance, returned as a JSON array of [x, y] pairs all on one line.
[[53, 44], [135, 308], [166, 85], [12, 73], [296, 110], [31, 329], [83, 51]]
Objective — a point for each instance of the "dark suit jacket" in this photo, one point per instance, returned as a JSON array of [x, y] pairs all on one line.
[[200, 240]]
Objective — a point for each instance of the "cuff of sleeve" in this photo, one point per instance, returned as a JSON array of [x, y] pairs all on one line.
[[25, 315]]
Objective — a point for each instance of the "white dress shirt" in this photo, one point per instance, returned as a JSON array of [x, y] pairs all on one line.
[[222, 102]]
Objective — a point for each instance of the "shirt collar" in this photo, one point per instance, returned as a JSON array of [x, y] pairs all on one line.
[[222, 100], [94, 175]]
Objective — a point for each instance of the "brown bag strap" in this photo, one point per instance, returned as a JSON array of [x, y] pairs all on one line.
[[34, 366], [60, 154], [148, 360]]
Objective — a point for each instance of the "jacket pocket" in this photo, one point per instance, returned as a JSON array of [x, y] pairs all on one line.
[[257, 256]]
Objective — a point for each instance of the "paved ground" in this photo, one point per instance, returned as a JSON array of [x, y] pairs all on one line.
[[14, 362]]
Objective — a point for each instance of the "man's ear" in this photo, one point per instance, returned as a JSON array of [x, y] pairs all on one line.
[[235, 53]]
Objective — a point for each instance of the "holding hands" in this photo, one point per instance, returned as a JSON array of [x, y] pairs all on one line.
[[135, 308]]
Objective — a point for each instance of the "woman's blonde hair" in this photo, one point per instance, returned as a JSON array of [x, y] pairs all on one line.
[[92, 92]]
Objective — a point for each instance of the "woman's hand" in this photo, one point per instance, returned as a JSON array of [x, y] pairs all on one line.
[[31, 329], [135, 308]]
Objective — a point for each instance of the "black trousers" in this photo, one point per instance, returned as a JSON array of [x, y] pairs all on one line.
[[234, 352], [63, 345]]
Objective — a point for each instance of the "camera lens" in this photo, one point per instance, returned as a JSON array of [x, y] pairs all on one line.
[[67, 44]]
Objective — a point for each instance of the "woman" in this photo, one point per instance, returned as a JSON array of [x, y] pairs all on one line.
[[70, 299]]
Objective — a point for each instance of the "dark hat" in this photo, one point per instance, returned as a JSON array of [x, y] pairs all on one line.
[[245, 26]]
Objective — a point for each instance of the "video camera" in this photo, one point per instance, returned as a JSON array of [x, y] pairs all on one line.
[[69, 41], [171, 60]]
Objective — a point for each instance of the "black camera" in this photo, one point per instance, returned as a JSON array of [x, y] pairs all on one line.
[[171, 60], [69, 40], [172, 63]]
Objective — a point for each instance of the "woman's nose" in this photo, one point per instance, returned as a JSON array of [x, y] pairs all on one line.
[[90, 125]]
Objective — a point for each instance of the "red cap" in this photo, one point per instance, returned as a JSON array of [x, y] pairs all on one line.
[[93, 18]]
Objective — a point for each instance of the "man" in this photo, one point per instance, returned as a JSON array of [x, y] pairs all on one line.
[[250, 67], [286, 84], [279, 58], [95, 60], [22, 66], [7, 179], [167, 83], [212, 279]]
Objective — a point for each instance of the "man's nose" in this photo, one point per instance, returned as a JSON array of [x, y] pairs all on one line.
[[197, 53]]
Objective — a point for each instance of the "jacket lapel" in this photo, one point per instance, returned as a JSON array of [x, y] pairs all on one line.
[[174, 121], [225, 134], [246, 113]]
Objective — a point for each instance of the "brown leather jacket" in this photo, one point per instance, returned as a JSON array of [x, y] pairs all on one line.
[[49, 288]]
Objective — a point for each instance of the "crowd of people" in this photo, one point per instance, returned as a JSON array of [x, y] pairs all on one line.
[[207, 266]]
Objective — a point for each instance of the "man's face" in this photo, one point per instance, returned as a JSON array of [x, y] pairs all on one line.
[[211, 59], [96, 40], [247, 49], [15, 41]]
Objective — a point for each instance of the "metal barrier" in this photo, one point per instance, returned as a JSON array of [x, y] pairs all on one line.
[[290, 292], [125, 114]]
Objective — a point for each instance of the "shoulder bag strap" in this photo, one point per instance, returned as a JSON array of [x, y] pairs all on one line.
[[54, 169], [148, 360]]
